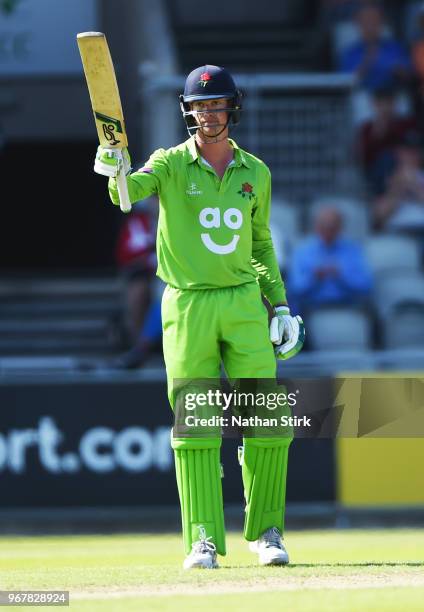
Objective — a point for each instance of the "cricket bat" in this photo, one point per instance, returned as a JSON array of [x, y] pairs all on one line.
[[105, 101]]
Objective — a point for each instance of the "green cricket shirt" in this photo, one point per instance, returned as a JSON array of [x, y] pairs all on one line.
[[212, 232]]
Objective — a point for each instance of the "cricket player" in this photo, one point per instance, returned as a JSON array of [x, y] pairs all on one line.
[[216, 256]]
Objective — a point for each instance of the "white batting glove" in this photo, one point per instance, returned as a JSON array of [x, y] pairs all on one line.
[[287, 333], [110, 162]]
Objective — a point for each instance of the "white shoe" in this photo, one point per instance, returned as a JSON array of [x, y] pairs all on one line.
[[203, 553], [270, 548]]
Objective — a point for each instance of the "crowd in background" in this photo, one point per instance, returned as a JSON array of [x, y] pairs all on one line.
[[382, 46], [386, 58]]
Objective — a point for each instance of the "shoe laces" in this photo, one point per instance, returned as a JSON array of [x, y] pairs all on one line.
[[272, 538], [203, 544]]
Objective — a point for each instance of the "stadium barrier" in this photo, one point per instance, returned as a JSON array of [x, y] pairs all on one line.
[[105, 442]]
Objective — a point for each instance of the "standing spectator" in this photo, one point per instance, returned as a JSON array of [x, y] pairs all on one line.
[[136, 259], [375, 59], [401, 207], [417, 48], [378, 138], [328, 268]]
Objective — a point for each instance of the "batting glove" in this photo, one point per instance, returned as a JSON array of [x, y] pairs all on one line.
[[287, 333], [110, 162]]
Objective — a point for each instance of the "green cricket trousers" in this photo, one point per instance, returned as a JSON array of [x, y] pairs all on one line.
[[201, 329]]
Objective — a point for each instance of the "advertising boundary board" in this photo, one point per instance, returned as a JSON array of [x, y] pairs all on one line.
[[106, 443]]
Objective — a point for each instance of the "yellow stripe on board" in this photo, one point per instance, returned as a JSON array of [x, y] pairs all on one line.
[[380, 471]]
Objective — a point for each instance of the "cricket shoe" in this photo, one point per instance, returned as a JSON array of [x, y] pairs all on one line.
[[203, 553], [270, 548]]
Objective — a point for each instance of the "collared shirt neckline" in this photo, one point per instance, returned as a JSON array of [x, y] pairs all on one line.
[[194, 155]]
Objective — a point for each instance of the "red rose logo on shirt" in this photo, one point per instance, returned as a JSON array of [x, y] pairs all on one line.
[[246, 191], [204, 78]]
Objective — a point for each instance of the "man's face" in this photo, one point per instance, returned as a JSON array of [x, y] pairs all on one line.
[[370, 23], [208, 115], [328, 224]]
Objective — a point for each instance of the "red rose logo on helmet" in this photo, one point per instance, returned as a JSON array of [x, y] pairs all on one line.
[[204, 78], [247, 191]]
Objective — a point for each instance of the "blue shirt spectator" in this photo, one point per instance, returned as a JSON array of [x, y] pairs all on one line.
[[377, 61], [328, 268]]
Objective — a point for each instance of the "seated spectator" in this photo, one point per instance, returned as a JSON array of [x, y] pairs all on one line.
[[401, 207], [375, 59], [327, 268], [378, 138]]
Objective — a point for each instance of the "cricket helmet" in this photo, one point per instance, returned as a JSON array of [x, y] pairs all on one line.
[[210, 83]]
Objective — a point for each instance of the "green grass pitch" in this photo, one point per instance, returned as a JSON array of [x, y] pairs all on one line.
[[329, 570]]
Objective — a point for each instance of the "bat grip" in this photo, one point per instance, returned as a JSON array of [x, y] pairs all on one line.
[[273, 331], [121, 183]]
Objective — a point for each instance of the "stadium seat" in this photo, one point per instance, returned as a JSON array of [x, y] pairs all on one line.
[[404, 328], [355, 214], [337, 328], [404, 287], [388, 253], [285, 229], [286, 215]]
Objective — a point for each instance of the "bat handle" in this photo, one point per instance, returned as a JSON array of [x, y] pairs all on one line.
[[121, 183]]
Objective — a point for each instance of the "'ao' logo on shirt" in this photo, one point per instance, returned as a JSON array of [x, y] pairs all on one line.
[[211, 218]]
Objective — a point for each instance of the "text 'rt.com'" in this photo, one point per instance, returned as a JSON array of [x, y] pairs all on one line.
[[99, 449]]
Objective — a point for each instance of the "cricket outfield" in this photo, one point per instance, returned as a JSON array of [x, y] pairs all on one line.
[[331, 569]]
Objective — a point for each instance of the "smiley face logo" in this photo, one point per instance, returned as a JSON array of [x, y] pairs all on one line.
[[211, 218]]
